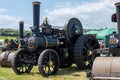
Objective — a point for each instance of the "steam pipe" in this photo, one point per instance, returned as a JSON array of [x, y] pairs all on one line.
[[36, 12], [21, 29], [118, 16]]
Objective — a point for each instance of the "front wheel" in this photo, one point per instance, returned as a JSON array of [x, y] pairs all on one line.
[[48, 62], [20, 62]]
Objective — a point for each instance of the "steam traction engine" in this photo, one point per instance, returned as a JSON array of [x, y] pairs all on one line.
[[52, 48], [108, 68]]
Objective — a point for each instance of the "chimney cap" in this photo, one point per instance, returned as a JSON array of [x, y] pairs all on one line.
[[21, 22], [117, 4], [36, 2]]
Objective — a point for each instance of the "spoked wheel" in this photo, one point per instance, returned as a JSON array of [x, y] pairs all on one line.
[[48, 62], [83, 49], [21, 62]]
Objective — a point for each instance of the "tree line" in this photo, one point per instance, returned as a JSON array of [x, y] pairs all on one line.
[[11, 32]]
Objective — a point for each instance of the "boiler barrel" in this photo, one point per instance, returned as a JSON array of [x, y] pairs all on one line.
[[106, 68], [5, 59], [37, 43]]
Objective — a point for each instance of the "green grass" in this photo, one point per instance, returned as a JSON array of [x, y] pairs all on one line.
[[71, 73], [7, 37]]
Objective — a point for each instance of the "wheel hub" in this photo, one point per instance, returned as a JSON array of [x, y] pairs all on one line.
[[50, 63], [87, 63], [89, 52]]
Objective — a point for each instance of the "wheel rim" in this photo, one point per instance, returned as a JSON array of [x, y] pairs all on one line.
[[49, 64], [21, 66]]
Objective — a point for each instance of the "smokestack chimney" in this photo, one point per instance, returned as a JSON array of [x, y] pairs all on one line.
[[118, 16], [21, 27], [36, 15]]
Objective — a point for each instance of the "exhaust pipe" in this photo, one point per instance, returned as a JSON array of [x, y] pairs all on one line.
[[118, 16], [21, 32], [36, 16]]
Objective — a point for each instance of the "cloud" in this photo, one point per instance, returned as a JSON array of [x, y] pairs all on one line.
[[9, 21], [91, 14], [2, 10]]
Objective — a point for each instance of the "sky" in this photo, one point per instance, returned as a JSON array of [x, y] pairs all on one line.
[[93, 14]]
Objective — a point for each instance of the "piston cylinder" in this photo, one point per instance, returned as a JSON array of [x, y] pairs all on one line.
[[6, 58], [106, 68]]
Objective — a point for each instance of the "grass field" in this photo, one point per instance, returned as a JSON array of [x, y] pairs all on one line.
[[71, 73], [7, 37]]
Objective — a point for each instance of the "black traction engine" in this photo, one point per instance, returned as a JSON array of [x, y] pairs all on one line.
[[50, 47]]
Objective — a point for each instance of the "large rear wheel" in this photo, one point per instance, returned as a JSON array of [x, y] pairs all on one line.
[[84, 46], [48, 62]]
